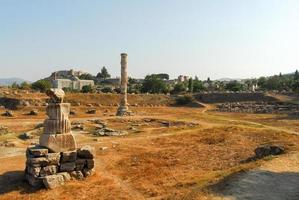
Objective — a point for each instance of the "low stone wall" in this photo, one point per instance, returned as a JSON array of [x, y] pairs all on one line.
[[259, 107], [50, 170], [232, 97]]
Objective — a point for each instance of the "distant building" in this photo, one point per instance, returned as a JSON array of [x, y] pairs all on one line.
[[183, 78], [69, 79]]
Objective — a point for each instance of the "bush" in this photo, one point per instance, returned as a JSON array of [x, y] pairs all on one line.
[[184, 100], [86, 89], [107, 90], [117, 90]]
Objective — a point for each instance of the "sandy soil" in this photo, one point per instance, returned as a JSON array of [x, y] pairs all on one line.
[[180, 161]]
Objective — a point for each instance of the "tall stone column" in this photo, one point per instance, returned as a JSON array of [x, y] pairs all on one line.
[[123, 107], [57, 134]]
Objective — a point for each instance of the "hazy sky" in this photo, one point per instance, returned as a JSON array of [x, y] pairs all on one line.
[[215, 38]]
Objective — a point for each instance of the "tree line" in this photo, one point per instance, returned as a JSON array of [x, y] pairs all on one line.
[[160, 83]]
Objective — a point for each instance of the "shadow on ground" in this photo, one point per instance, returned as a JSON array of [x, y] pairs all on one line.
[[290, 116], [259, 185], [15, 181]]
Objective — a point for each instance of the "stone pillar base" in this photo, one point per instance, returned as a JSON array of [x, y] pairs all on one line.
[[51, 170], [123, 111], [58, 142]]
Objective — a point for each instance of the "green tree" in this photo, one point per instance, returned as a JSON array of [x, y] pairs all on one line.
[[262, 82], [41, 85], [179, 87], [25, 86], [197, 85], [15, 85], [190, 85], [154, 84], [162, 76], [104, 73], [86, 76], [234, 86], [296, 75]]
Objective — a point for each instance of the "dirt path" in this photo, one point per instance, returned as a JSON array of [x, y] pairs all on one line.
[[276, 180]]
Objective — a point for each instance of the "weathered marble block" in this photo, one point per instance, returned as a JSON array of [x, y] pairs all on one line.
[[59, 142], [58, 110], [55, 126]]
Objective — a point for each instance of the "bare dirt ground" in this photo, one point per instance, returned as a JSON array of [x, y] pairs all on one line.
[[276, 179], [197, 154]]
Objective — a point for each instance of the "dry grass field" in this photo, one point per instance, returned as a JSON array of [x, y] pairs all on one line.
[[169, 152]]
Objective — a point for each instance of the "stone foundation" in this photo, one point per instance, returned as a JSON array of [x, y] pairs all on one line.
[[50, 170]]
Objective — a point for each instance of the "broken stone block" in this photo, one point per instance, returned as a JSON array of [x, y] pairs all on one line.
[[58, 111], [37, 162], [85, 152], [90, 163], [80, 163], [58, 142], [53, 181], [91, 111], [67, 167], [8, 113], [77, 175], [36, 182], [88, 172], [48, 170], [56, 95], [37, 151], [53, 158], [68, 156], [33, 171], [66, 176], [26, 136], [33, 112]]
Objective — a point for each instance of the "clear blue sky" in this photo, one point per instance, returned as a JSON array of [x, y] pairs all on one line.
[[207, 38]]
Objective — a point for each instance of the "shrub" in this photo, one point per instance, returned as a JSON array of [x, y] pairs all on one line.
[[107, 90], [86, 89], [184, 100]]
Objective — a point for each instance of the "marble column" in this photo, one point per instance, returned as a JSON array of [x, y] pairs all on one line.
[[123, 107]]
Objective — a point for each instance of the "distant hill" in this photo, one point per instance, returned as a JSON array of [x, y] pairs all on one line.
[[10, 81]]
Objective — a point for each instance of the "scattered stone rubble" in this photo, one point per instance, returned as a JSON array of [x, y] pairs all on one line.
[[33, 112], [109, 132], [268, 150], [3, 130], [8, 113], [259, 107], [91, 111], [56, 159], [26, 136], [48, 169]]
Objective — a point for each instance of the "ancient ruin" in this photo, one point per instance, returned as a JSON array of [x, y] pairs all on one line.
[[57, 128], [123, 108], [56, 159]]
